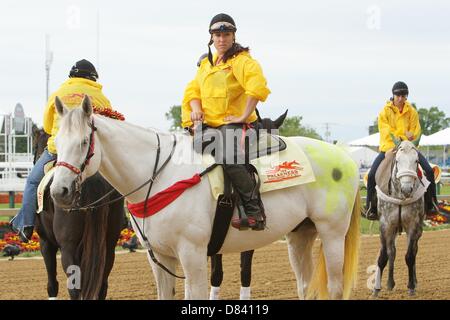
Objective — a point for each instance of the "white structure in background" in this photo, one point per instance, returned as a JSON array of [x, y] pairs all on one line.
[[363, 156], [370, 141], [14, 166], [440, 138]]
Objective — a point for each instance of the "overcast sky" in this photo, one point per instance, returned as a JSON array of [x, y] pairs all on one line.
[[329, 61]]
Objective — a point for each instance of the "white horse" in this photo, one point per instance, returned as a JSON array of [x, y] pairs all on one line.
[[125, 155]]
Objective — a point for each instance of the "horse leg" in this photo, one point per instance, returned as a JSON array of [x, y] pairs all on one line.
[[333, 248], [194, 261], [109, 263], [246, 274], [413, 237], [72, 268], [410, 259], [165, 283], [216, 276], [300, 243], [391, 251], [382, 261], [48, 251]]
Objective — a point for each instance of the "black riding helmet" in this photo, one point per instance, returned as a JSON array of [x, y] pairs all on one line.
[[83, 69], [221, 22], [400, 89]]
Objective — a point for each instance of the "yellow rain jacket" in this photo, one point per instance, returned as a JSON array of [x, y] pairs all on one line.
[[223, 89], [71, 93], [391, 121]]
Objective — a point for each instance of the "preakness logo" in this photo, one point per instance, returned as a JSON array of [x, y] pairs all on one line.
[[284, 171]]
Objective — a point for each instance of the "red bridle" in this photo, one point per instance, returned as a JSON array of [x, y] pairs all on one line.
[[89, 154]]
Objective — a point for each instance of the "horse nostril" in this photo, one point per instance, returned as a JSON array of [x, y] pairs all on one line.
[[65, 192]]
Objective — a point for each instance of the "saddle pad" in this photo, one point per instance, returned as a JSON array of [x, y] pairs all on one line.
[[383, 174], [283, 169], [41, 189]]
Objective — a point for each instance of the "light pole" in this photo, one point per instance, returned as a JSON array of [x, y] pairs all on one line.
[[48, 63]]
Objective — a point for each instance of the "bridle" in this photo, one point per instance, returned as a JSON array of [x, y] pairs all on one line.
[[403, 173], [89, 155]]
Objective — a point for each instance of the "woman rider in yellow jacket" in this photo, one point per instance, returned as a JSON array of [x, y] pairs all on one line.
[[223, 96], [400, 120], [82, 81]]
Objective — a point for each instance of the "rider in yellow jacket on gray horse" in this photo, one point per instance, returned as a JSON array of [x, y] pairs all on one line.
[[82, 81], [398, 120]]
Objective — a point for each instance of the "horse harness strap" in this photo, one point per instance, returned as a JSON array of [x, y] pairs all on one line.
[[156, 172], [93, 205]]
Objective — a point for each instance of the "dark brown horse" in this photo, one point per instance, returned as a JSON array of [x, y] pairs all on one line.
[[87, 239], [246, 256]]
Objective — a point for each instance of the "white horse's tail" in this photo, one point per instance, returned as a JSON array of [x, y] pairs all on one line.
[[318, 286]]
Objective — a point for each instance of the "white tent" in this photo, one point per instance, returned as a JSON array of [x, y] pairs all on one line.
[[370, 141], [363, 156], [440, 138]]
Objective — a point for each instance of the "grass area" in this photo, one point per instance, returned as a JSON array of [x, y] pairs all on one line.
[[445, 189], [365, 227], [6, 205]]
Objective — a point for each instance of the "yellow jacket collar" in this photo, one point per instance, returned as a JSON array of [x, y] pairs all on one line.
[[406, 108], [91, 83]]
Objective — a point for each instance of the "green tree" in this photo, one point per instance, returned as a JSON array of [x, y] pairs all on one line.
[[174, 115], [374, 128], [292, 127], [432, 120]]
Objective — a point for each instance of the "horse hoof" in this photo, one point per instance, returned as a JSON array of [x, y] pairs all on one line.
[[52, 298], [375, 293], [412, 292]]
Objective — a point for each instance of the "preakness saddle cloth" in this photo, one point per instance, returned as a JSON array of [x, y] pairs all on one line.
[[287, 168]]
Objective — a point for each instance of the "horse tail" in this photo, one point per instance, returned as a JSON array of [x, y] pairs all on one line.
[[318, 287], [94, 239]]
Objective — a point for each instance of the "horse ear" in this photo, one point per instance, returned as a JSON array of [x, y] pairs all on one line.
[[60, 107], [416, 141], [279, 122], [257, 114], [87, 106], [395, 140]]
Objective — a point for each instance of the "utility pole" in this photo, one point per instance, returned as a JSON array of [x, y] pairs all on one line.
[[328, 131], [98, 41], [48, 63]]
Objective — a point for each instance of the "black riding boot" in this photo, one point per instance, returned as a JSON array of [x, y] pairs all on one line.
[[371, 202], [245, 185]]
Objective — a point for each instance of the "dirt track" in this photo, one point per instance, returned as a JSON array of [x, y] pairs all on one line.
[[272, 276]]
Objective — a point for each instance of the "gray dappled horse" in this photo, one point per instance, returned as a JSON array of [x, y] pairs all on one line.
[[246, 256], [87, 240], [401, 206]]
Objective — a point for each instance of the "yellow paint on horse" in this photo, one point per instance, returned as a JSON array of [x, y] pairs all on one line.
[[326, 158]]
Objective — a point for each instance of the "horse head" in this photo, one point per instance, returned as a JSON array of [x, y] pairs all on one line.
[[78, 152], [405, 168]]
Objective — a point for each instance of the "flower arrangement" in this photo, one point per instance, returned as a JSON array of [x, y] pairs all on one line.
[[34, 245], [125, 236], [109, 113], [13, 238]]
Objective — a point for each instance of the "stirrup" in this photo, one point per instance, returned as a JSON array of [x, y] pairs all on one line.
[[243, 224], [370, 215]]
